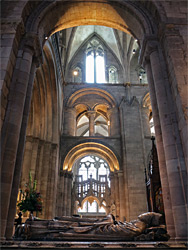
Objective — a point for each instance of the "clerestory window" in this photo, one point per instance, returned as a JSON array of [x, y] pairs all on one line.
[[95, 64]]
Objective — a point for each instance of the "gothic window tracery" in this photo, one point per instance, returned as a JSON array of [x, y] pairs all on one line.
[[92, 183], [95, 63], [93, 167]]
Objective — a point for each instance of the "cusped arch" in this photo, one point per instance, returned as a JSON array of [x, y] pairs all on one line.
[[89, 148], [109, 99]]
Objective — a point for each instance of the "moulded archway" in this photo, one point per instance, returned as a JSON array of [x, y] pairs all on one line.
[[87, 148], [65, 14], [79, 94]]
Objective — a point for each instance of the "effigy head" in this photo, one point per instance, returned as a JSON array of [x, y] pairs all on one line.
[[151, 219]]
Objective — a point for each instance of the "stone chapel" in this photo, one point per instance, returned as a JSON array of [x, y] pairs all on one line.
[[94, 109]]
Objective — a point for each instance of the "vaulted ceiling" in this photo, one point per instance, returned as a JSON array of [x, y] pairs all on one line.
[[118, 41]]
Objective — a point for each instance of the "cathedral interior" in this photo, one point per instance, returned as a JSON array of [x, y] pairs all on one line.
[[94, 109]]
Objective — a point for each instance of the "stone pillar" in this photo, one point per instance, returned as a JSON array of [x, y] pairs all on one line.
[[26, 162], [175, 163], [113, 114], [69, 192], [161, 156], [91, 115], [124, 161], [69, 121], [19, 158], [14, 125], [65, 193], [61, 194], [121, 195], [52, 183], [40, 164], [33, 162], [44, 177], [117, 202]]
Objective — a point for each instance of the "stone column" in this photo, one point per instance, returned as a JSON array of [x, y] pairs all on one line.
[[44, 177], [161, 156], [113, 114], [175, 163], [61, 194], [91, 115], [39, 164], [14, 125], [121, 195], [69, 192], [65, 193], [69, 121], [33, 163], [124, 160], [19, 158], [51, 184], [117, 195], [26, 162]]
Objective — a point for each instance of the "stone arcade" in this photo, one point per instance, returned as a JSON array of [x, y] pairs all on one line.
[[82, 83]]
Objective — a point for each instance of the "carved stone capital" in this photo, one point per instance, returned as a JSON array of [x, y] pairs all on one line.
[[91, 113], [149, 45]]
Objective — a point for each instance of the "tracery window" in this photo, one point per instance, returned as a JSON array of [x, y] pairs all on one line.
[[93, 167], [95, 64]]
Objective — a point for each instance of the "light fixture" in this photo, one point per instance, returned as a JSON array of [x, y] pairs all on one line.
[[108, 123], [75, 72]]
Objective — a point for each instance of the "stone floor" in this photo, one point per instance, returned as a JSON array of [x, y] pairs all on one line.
[[26, 245]]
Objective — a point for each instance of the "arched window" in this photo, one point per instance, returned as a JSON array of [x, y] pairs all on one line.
[[93, 168], [112, 74], [83, 126], [100, 125], [95, 65]]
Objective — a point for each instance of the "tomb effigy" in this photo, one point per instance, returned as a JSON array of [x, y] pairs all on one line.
[[147, 227]]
